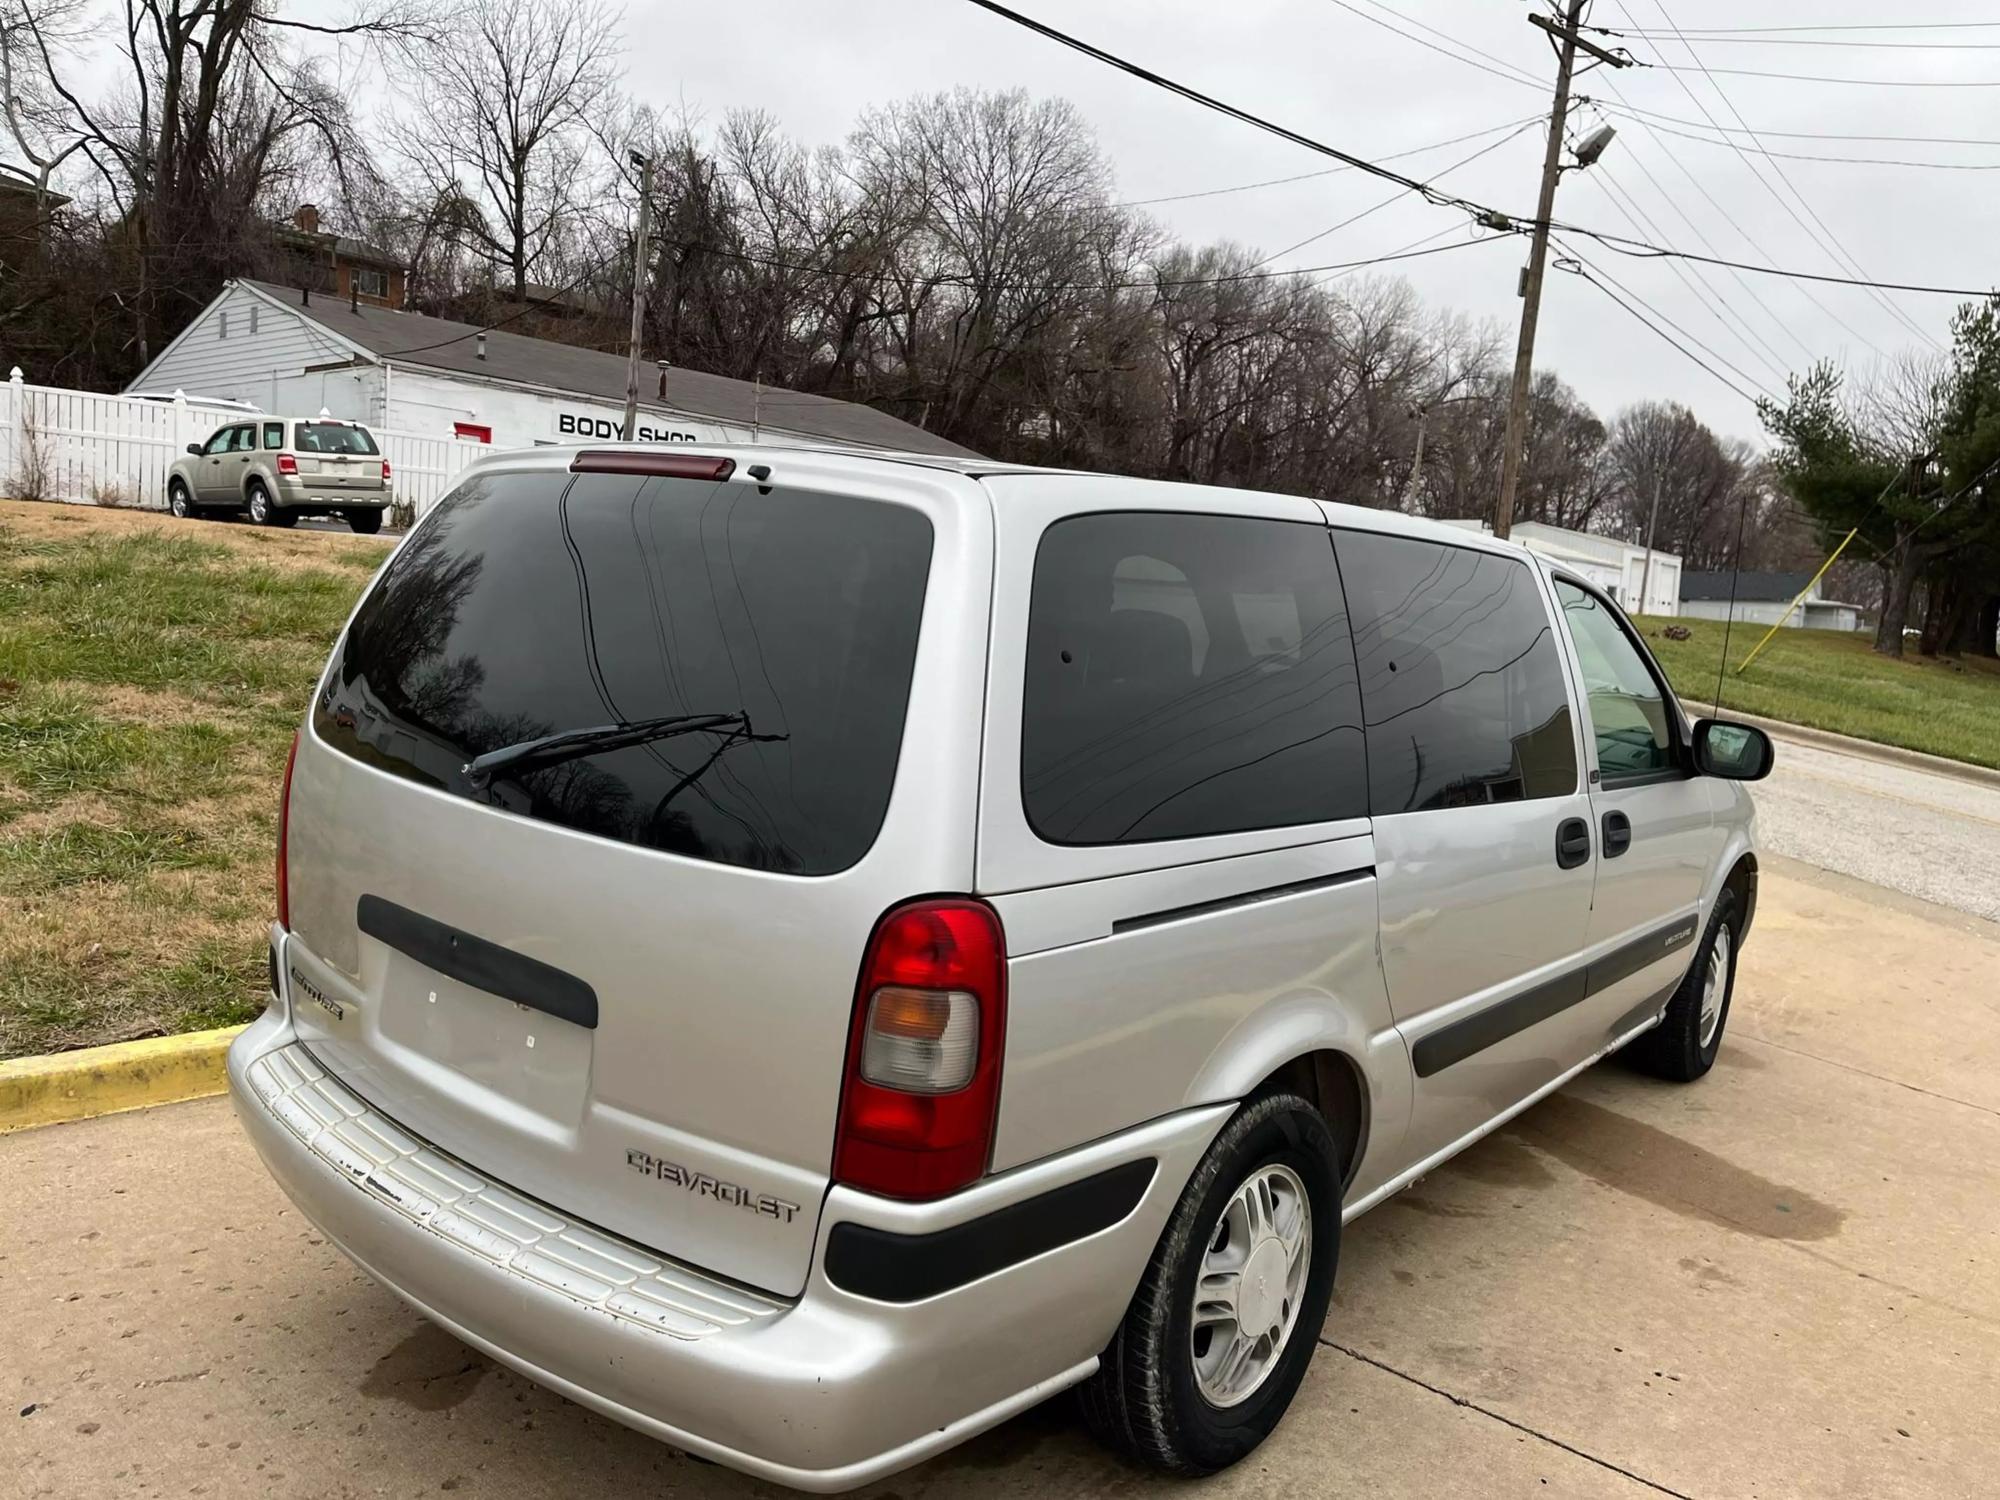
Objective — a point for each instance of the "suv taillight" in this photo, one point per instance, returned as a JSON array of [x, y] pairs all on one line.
[[287, 464], [923, 1062], [284, 831], [385, 471]]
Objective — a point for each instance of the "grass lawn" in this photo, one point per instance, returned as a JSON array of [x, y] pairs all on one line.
[[151, 674], [1831, 679]]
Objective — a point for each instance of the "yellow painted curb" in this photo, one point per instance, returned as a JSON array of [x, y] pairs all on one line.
[[106, 1080]]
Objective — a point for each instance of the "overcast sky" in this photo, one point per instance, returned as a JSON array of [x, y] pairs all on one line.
[[1326, 72]]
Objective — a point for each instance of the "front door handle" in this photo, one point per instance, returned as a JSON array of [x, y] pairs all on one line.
[[1572, 843], [1617, 834]]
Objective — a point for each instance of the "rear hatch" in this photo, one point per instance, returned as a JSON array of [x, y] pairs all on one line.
[[338, 456], [616, 970]]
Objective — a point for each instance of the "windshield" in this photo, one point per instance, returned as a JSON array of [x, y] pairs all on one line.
[[684, 665], [334, 437]]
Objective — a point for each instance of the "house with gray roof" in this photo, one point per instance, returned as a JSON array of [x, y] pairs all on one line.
[[1766, 599], [294, 350]]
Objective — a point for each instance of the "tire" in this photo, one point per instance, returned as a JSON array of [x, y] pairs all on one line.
[[364, 522], [1161, 1393], [181, 503], [1683, 1046], [263, 510]]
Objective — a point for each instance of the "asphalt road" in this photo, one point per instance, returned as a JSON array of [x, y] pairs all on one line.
[[1778, 1282], [1933, 837]]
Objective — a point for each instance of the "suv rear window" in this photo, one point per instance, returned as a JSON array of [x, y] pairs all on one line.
[[334, 437], [533, 605], [1187, 675]]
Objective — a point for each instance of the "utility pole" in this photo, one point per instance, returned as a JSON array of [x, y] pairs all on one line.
[[1568, 43], [1652, 521], [645, 165]]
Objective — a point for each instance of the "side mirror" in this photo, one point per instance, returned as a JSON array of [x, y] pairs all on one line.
[[195, 449], [1735, 752]]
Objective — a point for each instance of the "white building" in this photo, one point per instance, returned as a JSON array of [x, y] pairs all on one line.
[[1765, 599], [1614, 566], [291, 351]]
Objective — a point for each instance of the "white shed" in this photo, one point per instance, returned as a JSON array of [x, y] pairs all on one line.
[[1619, 568]]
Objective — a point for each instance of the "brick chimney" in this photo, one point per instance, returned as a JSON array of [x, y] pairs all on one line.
[[306, 218]]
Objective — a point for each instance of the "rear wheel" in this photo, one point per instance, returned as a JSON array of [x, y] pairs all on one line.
[[1224, 1323], [366, 522], [1683, 1046], [265, 511], [179, 501]]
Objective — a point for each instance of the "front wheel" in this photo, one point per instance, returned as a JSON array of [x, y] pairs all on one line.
[[1220, 1332], [1683, 1046], [179, 501], [364, 522]]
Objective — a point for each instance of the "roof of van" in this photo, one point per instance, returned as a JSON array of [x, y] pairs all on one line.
[[1367, 516]]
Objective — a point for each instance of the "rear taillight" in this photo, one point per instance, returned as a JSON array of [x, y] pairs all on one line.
[[284, 832], [385, 471], [287, 464], [923, 1062]]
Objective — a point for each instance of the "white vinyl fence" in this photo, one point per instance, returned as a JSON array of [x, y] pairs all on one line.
[[86, 447]]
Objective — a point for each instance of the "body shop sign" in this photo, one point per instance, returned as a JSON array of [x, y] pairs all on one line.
[[573, 426]]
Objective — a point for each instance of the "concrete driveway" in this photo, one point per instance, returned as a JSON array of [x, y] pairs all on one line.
[[1782, 1281]]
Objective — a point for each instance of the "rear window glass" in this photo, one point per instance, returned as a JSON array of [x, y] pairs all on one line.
[[334, 437], [1187, 675], [1460, 674], [778, 629]]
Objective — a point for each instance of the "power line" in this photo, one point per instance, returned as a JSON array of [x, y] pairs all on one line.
[[1873, 83], [1491, 64], [1824, 238], [1721, 31], [1780, 41], [1396, 197], [1708, 244], [1492, 217], [1584, 268], [1245, 187], [1853, 161], [1793, 135]]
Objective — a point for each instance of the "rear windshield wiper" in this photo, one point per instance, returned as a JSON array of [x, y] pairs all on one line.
[[571, 744]]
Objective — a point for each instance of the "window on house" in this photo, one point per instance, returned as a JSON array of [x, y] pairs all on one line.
[[253, 321], [222, 324], [368, 283]]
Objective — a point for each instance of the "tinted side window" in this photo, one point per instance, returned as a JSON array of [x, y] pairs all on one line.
[[757, 647], [1187, 675], [1628, 712], [219, 442], [1460, 676]]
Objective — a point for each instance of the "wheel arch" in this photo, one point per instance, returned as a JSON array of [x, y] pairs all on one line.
[[1332, 1082]]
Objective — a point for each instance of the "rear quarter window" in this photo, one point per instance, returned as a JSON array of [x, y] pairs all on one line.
[[535, 604], [1187, 675]]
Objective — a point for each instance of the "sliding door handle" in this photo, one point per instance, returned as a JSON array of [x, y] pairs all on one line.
[[1572, 843], [1617, 834]]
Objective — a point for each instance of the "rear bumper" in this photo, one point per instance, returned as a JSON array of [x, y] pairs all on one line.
[[825, 1392], [312, 497]]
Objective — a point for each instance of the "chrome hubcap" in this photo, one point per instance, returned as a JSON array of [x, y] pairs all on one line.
[[1253, 1278], [179, 503], [1714, 987]]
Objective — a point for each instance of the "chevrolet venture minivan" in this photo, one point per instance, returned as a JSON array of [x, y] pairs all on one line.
[[810, 954]]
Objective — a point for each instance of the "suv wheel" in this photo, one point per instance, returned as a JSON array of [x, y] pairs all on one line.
[[179, 501], [1683, 1046], [262, 510], [365, 522], [1224, 1323]]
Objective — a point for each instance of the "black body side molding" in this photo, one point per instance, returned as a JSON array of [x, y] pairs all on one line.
[[1483, 1028], [891, 1267], [1248, 898], [474, 961]]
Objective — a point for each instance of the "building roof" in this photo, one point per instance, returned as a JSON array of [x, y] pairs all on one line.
[[1751, 587], [407, 339]]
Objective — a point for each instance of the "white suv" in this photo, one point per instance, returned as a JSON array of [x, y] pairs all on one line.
[[811, 954]]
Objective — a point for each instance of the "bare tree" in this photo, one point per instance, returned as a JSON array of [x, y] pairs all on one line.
[[499, 143]]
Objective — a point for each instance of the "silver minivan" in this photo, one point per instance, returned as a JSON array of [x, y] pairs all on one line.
[[811, 954]]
